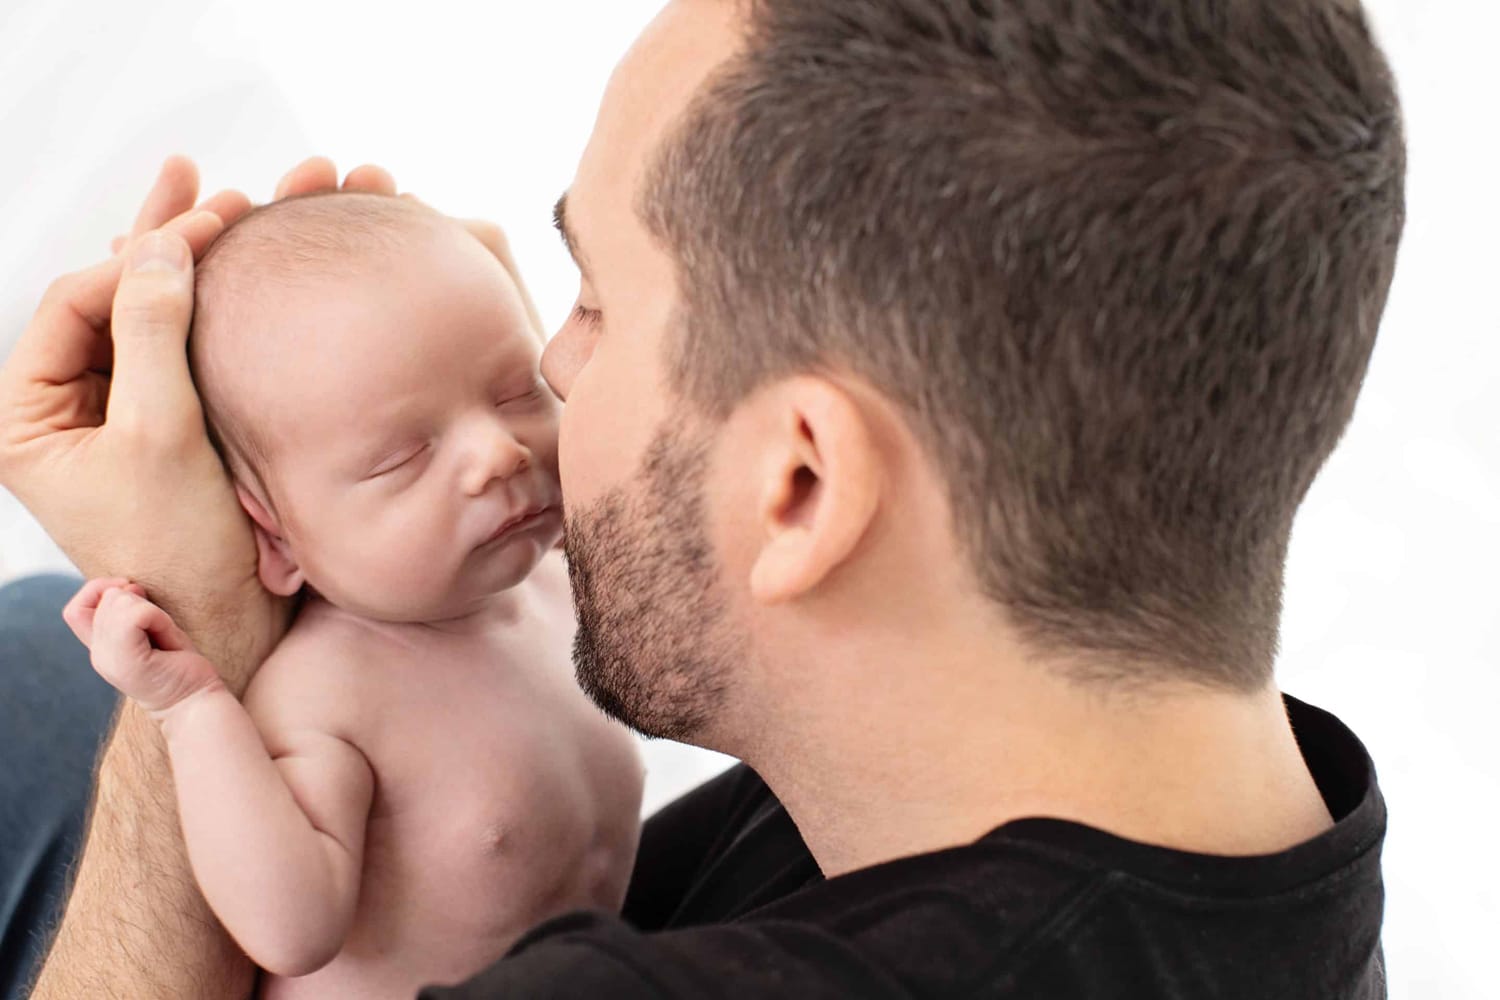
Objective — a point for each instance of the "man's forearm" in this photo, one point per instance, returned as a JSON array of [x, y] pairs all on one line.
[[136, 924]]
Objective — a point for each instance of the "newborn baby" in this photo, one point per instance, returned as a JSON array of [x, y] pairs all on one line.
[[414, 778]]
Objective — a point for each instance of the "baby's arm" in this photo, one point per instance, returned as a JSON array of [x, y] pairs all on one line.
[[276, 842]]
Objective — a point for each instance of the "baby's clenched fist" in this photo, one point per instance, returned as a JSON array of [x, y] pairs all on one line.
[[136, 646]]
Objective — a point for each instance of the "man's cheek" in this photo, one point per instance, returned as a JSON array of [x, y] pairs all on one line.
[[572, 458], [593, 451]]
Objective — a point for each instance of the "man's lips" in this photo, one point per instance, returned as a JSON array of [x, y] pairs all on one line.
[[520, 522]]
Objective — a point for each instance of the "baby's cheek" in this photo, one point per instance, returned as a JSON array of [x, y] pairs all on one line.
[[384, 560], [409, 541]]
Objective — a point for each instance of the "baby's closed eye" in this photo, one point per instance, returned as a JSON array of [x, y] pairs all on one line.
[[404, 459], [527, 394]]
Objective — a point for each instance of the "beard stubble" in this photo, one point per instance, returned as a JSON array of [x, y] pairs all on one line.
[[654, 647]]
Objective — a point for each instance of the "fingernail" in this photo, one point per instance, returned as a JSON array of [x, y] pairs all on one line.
[[159, 252]]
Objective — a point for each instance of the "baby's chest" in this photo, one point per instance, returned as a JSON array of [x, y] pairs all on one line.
[[512, 779]]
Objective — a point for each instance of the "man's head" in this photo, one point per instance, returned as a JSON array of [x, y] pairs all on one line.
[[1116, 270], [370, 375]]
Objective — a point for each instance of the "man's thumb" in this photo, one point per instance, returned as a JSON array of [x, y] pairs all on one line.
[[153, 308]]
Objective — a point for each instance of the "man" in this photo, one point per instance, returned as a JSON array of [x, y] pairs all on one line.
[[943, 382]]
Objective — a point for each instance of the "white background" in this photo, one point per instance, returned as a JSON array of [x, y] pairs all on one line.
[[1393, 606]]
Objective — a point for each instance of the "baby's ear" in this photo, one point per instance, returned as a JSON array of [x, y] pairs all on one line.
[[279, 572]]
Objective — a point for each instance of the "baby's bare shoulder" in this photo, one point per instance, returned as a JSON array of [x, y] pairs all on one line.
[[320, 676]]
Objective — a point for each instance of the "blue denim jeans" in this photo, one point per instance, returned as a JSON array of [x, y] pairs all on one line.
[[54, 714]]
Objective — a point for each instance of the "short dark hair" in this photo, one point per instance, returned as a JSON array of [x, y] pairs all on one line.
[[1121, 264]]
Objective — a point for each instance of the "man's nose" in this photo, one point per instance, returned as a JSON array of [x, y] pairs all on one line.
[[565, 355], [494, 453]]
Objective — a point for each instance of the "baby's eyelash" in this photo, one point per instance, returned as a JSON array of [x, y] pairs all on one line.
[[393, 466], [532, 395], [587, 316]]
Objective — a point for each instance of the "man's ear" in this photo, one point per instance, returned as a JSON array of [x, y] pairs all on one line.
[[279, 572], [820, 488]]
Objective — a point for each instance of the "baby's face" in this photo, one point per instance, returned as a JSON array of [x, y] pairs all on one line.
[[413, 444]]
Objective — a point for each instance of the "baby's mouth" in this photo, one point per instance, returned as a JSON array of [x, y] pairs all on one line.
[[519, 522]]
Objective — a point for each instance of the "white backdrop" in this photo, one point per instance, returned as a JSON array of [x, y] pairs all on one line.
[[1393, 606]]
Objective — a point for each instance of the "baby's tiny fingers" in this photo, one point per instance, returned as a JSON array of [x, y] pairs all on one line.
[[93, 592], [138, 612], [79, 613], [123, 617], [119, 645], [165, 634], [130, 611]]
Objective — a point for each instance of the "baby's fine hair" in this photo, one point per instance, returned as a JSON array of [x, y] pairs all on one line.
[[280, 245]]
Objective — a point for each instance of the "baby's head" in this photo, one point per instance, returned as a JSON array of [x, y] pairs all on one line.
[[369, 373]]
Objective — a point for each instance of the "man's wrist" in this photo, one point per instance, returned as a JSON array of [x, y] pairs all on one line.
[[236, 633]]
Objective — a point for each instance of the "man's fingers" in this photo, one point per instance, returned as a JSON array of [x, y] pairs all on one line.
[[197, 229], [175, 191], [151, 390], [68, 334], [229, 206], [494, 240], [490, 234], [65, 336], [370, 179], [316, 173]]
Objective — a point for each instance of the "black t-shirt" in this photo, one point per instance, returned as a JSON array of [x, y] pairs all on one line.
[[727, 902]]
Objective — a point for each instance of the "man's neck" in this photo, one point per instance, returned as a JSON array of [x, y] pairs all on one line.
[[939, 758]]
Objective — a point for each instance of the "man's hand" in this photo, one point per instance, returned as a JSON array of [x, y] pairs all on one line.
[[102, 435]]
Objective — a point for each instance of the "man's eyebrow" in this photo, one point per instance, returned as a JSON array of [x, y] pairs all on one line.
[[569, 238]]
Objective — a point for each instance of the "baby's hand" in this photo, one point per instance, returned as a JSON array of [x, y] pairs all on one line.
[[136, 646]]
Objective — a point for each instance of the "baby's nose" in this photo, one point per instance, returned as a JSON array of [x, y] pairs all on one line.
[[497, 456]]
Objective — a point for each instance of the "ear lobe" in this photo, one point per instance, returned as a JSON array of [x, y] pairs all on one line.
[[821, 492], [279, 571]]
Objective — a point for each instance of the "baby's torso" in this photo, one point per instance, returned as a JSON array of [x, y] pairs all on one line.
[[502, 797]]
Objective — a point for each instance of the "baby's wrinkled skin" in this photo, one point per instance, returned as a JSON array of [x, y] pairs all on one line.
[[414, 778]]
